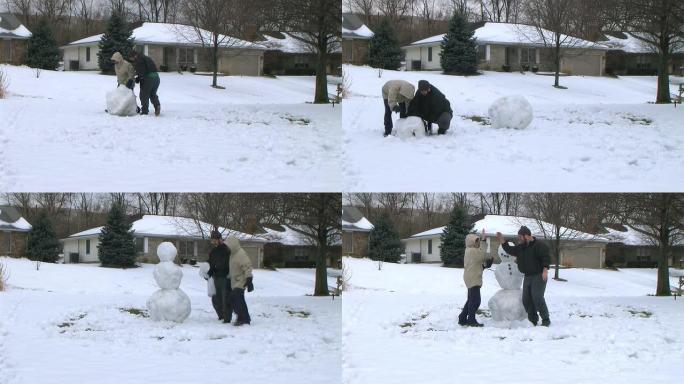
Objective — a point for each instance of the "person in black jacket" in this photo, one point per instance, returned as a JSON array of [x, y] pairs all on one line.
[[148, 77], [533, 261], [432, 106], [219, 269]]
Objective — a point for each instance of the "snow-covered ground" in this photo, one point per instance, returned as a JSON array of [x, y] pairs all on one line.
[[400, 326], [259, 134], [600, 134], [79, 323]]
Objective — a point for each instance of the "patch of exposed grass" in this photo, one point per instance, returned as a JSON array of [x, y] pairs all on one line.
[[72, 320], [478, 119], [639, 120], [643, 313], [135, 311], [297, 120], [302, 314]]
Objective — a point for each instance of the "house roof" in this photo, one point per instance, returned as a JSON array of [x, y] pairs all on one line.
[[11, 27], [353, 220], [627, 235], [172, 34], [354, 28], [509, 226], [513, 34], [286, 235], [288, 43], [11, 220], [172, 226], [628, 43]]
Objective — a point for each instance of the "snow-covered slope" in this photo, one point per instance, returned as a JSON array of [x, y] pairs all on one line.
[[259, 134], [600, 134], [79, 323], [400, 325]]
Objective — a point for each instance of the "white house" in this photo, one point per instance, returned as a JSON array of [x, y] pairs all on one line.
[[189, 236], [514, 47], [175, 47], [578, 249]]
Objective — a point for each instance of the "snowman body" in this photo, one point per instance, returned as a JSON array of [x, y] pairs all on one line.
[[169, 302], [506, 304]]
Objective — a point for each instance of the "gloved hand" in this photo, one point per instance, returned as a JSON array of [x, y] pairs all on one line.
[[138, 79], [249, 285], [129, 83], [396, 109]]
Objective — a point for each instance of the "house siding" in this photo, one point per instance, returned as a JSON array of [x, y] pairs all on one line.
[[78, 246], [355, 243], [12, 51], [13, 244], [355, 51], [78, 54]]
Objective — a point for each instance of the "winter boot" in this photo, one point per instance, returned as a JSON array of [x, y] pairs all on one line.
[[157, 110], [240, 323], [546, 323], [474, 323]]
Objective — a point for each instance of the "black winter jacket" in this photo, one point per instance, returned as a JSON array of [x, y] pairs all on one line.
[[429, 107], [144, 65], [218, 261], [532, 257]]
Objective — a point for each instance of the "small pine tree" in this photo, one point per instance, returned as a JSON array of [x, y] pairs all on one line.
[[384, 50], [453, 238], [384, 243], [117, 38], [42, 244], [42, 51], [459, 49], [117, 247]]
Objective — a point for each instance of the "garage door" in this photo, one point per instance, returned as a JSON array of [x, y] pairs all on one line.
[[585, 257], [586, 65], [241, 65]]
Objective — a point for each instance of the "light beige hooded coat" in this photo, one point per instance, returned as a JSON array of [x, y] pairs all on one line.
[[123, 69], [472, 261], [398, 91], [240, 264]]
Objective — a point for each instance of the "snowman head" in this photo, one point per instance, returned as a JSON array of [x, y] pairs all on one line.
[[505, 257], [166, 251]]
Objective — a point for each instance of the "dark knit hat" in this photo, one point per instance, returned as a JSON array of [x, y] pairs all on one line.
[[215, 234], [423, 85], [524, 231]]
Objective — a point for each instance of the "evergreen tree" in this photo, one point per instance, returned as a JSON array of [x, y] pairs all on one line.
[[453, 238], [42, 244], [459, 49], [117, 38], [384, 243], [117, 247], [384, 49], [42, 50]]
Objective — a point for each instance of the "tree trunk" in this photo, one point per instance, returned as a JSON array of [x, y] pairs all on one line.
[[663, 76], [322, 76], [663, 285], [556, 82], [214, 59], [556, 272], [321, 270]]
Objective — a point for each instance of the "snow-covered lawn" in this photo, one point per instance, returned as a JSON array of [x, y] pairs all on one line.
[[600, 134], [80, 324], [259, 134], [400, 326]]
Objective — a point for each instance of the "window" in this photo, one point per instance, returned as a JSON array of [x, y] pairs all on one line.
[[430, 247], [87, 53], [429, 53], [87, 247], [140, 244], [301, 254], [186, 249], [528, 56], [348, 243], [186, 56], [511, 56], [482, 52]]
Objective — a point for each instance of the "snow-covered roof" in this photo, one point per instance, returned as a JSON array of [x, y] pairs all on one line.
[[353, 220], [286, 235], [514, 34], [11, 220], [354, 28], [173, 34], [172, 226], [288, 43], [11, 27], [632, 237], [509, 226], [627, 42]]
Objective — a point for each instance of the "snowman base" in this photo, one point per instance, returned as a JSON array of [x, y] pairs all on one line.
[[506, 306], [409, 128], [169, 305]]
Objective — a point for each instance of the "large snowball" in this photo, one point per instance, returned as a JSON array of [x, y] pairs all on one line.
[[508, 276], [203, 270], [166, 251], [121, 102], [506, 305], [169, 304], [409, 127], [167, 275], [511, 112]]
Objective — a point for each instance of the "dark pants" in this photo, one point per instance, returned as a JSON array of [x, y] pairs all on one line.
[[388, 116], [221, 300], [533, 298], [471, 306], [443, 122], [240, 305], [148, 91]]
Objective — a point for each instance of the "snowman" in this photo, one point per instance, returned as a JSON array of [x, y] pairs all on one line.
[[169, 302], [506, 305]]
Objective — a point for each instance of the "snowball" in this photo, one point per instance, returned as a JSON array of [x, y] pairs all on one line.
[[508, 276], [506, 305], [169, 304], [121, 102], [166, 251], [168, 275], [409, 127], [510, 112], [203, 270]]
